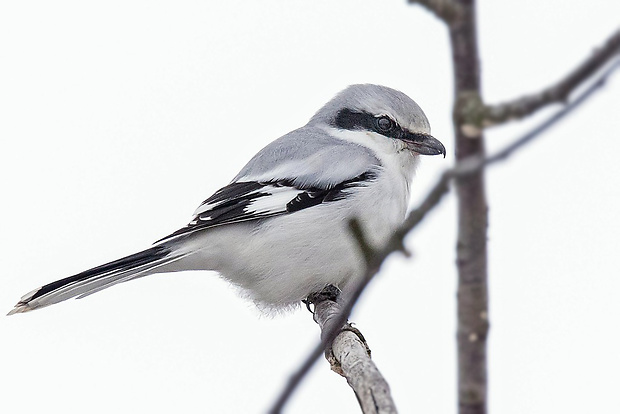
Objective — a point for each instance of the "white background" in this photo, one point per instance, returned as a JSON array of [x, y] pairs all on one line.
[[118, 118]]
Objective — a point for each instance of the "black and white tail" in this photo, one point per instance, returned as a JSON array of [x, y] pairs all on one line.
[[98, 278]]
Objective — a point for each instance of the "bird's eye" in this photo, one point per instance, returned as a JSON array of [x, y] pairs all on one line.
[[385, 124]]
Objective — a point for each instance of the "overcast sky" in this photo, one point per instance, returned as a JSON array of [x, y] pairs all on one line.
[[118, 118]]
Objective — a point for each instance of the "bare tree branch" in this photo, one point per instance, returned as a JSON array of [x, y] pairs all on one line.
[[446, 10], [349, 356], [470, 116], [472, 213], [461, 170], [527, 105]]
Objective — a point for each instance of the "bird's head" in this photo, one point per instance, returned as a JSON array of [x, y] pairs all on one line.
[[380, 111]]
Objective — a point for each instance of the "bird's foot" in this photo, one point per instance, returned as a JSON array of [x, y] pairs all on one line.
[[329, 292]]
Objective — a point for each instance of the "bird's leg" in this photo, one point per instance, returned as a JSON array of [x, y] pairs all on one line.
[[329, 292]]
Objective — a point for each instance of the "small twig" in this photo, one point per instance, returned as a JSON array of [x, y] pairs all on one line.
[[526, 105], [462, 169], [446, 10]]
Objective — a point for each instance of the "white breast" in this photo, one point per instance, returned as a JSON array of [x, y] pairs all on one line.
[[383, 206]]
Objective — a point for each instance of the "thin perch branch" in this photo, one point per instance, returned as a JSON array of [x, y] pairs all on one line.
[[464, 168], [349, 356], [527, 105]]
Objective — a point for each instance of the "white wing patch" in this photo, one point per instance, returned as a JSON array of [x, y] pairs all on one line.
[[267, 198], [275, 202]]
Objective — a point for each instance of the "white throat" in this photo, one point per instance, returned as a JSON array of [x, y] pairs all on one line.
[[393, 153]]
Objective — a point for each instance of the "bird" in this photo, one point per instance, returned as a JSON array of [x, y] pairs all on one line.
[[280, 230]]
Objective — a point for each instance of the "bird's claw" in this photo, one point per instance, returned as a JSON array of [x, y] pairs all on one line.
[[329, 292]]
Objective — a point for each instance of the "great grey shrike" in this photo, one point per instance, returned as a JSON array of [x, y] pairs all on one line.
[[280, 230]]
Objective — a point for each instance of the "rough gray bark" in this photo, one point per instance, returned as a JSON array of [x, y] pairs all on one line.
[[471, 248], [470, 116], [349, 356]]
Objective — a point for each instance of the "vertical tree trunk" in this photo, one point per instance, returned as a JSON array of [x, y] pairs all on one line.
[[472, 219]]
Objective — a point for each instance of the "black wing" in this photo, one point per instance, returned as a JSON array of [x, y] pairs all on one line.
[[250, 200]]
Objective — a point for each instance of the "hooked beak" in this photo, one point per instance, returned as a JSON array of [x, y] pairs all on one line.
[[424, 144]]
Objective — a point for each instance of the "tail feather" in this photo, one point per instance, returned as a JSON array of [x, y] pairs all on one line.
[[125, 276], [97, 278]]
